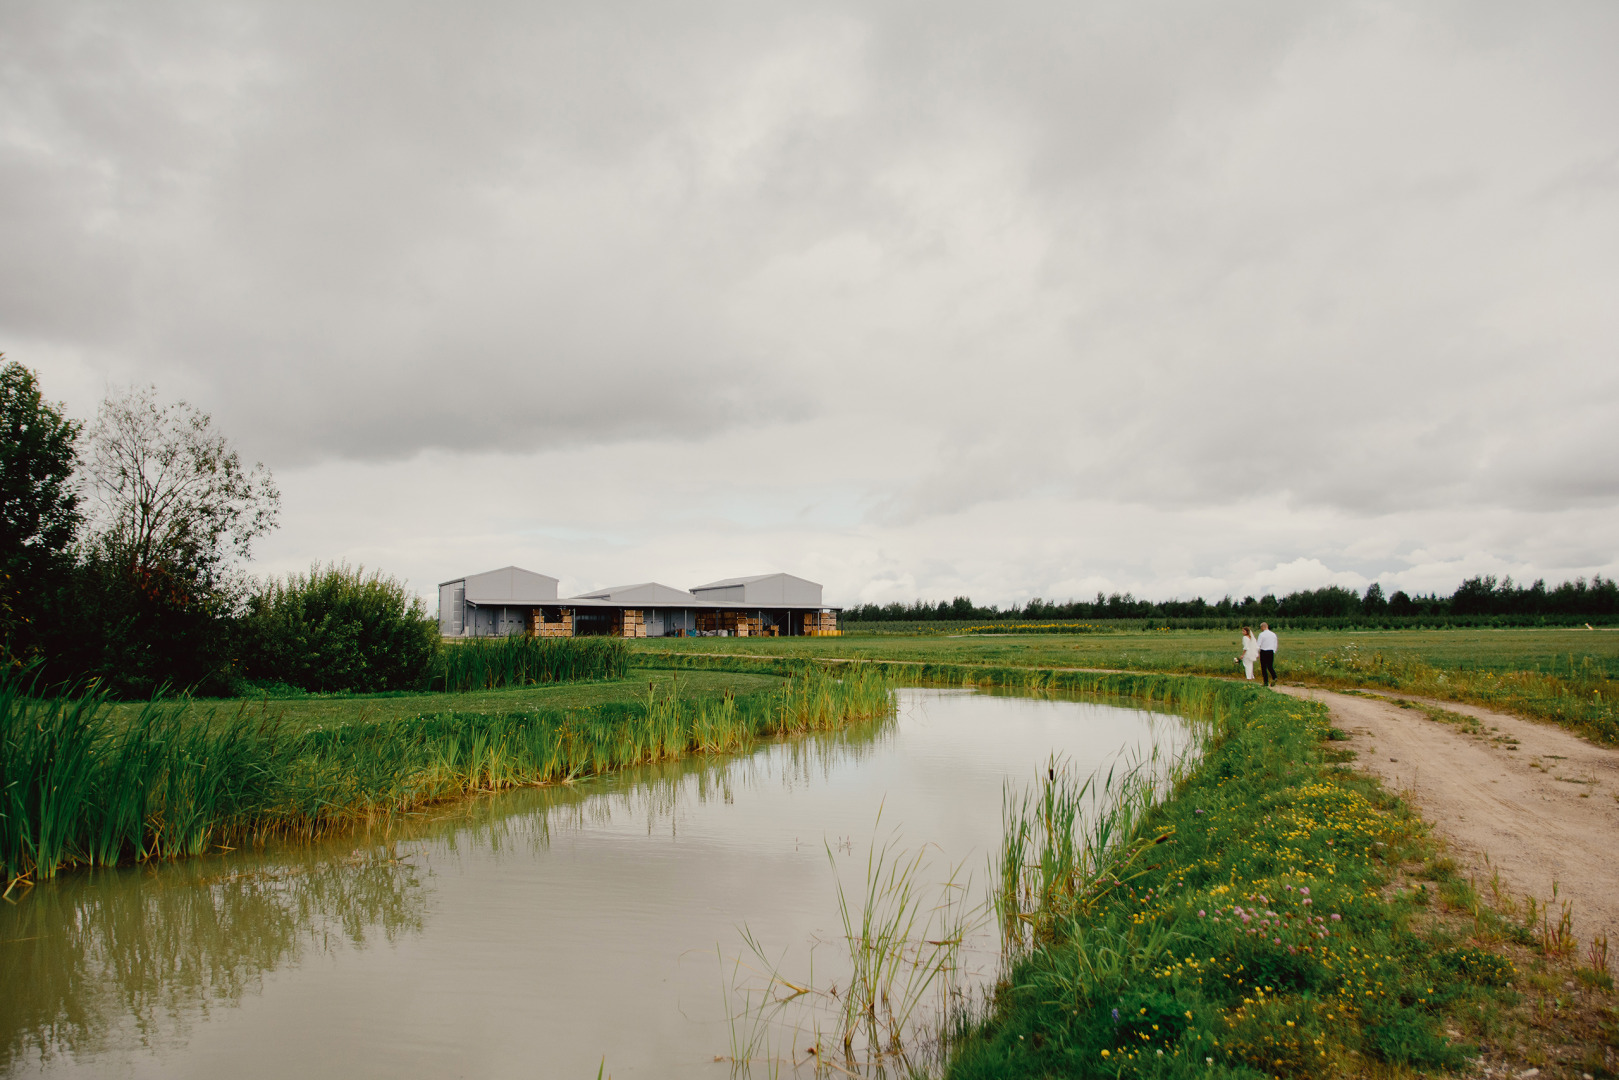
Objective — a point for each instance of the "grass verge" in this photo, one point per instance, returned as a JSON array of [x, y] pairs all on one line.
[[79, 786], [1275, 916]]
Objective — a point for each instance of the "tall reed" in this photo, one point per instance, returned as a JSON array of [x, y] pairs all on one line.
[[489, 663], [78, 787], [1070, 841], [892, 1000]]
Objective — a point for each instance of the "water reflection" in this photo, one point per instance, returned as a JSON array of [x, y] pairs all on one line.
[[530, 932], [142, 954], [657, 796]]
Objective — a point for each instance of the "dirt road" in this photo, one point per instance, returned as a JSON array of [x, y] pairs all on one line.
[[1541, 803]]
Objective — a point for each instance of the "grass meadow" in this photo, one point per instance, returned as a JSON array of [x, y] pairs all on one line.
[[1563, 675], [1193, 651]]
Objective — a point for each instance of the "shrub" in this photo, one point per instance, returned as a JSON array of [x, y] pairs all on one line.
[[338, 629]]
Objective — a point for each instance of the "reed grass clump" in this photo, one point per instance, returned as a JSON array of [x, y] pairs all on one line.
[[81, 787], [1064, 847], [895, 1001], [491, 663]]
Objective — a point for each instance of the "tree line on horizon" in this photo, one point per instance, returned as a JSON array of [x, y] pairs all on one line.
[[1481, 596]]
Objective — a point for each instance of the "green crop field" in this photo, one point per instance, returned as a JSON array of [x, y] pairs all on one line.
[[1203, 651], [1562, 675], [335, 710]]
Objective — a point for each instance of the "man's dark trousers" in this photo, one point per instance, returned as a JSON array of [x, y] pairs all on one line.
[[1267, 666]]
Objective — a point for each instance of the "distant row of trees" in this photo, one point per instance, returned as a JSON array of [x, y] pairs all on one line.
[[1477, 596], [122, 547]]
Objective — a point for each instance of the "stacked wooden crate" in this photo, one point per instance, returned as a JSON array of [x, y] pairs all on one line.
[[632, 623], [539, 626], [821, 624], [735, 623]]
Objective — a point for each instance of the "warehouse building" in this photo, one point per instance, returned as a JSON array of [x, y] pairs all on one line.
[[512, 600]]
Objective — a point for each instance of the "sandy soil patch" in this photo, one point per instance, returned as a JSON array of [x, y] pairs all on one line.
[[1540, 803]]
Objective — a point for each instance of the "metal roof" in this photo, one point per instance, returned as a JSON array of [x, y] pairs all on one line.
[[695, 605], [650, 592], [508, 585], [728, 582], [771, 590], [512, 586]]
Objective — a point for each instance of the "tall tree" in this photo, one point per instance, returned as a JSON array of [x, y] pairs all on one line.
[[154, 595], [39, 502], [170, 494]]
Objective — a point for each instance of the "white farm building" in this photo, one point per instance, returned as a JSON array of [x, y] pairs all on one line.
[[512, 600]]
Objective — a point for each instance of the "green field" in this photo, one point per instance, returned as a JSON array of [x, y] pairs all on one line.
[[1202, 651], [1559, 674], [303, 713], [1562, 675]]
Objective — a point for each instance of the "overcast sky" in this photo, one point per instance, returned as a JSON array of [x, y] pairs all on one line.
[[912, 299]]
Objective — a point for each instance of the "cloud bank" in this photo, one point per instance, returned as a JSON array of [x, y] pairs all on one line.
[[914, 299]]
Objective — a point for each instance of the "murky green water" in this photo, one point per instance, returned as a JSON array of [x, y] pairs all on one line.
[[531, 934]]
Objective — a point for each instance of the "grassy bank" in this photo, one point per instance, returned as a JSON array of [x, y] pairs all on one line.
[[82, 785], [301, 712], [1262, 921], [1566, 676]]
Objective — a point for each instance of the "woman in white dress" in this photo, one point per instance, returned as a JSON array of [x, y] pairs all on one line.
[[1250, 653]]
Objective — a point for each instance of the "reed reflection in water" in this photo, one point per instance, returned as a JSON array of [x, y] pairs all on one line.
[[528, 933], [138, 957]]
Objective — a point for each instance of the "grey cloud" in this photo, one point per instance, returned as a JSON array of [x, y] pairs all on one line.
[[1355, 256]]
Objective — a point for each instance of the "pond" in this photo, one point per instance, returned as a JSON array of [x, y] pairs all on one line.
[[544, 931]]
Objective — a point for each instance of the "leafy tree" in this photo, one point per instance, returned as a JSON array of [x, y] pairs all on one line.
[[153, 598], [39, 503], [1374, 602]]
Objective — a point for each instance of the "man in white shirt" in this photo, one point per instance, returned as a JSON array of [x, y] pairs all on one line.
[[1267, 654]]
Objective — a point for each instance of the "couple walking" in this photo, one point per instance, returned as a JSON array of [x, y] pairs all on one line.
[[1262, 649]]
